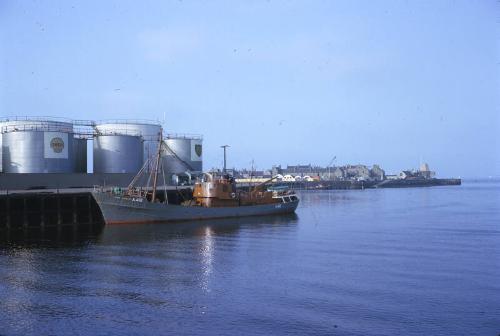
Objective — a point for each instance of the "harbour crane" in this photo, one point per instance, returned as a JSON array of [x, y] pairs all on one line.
[[332, 161], [330, 165]]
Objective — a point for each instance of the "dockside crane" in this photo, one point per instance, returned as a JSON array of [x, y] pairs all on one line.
[[330, 165]]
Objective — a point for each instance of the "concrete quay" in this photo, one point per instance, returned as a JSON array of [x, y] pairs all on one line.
[[49, 213]]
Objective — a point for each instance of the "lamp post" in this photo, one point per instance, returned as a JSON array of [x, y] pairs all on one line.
[[224, 147]]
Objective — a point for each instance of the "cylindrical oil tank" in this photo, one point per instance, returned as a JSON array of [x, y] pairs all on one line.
[[183, 153], [1, 137], [118, 153], [37, 146], [3, 122], [148, 130], [80, 154]]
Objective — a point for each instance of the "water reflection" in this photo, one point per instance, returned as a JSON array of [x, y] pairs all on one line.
[[136, 233], [328, 198], [51, 237], [143, 233], [183, 252], [122, 260], [16, 300], [207, 250]]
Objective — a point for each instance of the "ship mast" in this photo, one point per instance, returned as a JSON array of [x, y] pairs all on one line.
[[157, 164]]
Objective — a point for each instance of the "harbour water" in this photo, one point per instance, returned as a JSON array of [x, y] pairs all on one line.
[[419, 261]]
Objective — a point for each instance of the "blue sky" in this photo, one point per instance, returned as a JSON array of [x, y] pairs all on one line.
[[282, 82]]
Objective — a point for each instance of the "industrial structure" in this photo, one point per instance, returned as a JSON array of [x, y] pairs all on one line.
[[182, 157], [37, 145], [118, 153], [46, 145], [147, 131]]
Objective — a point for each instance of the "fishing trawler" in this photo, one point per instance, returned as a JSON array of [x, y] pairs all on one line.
[[214, 196]]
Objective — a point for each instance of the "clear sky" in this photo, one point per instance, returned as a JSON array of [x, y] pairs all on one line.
[[281, 82]]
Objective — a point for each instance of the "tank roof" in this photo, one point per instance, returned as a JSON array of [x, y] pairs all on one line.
[[78, 126], [38, 119], [129, 122], [184, 136], [27, 124]]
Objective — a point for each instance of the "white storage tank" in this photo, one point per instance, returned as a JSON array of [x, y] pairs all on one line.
[[148, 130], [118, 153], [37, 145], [183, 153], [1, 137]]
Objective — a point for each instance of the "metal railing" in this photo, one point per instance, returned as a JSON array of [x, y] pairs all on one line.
[[183, 136], [37, 118], [81, 122], [37, 127], [128, 122], [84, 132], [82, 127]]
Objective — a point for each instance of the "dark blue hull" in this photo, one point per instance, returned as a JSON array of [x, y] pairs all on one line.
[[121, 210]]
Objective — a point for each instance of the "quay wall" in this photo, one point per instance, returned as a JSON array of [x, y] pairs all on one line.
[[49, 212]]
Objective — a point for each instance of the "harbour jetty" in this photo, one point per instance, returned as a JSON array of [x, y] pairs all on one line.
[[353, 184]]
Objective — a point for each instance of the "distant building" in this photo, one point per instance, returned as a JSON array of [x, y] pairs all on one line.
[[377, 173], [335, 173], [406, 174], [357, 172], [424, 167], [247, 174], [422, 173], [332, 173], [425, 172], [348, 172], [299, 169]]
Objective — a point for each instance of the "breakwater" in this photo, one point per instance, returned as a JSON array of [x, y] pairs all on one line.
[[354, 185]]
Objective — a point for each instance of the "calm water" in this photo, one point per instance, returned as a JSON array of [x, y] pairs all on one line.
[[423, 261]]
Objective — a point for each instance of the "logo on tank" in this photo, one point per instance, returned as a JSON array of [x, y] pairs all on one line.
[[57, 145], [197, 149]]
